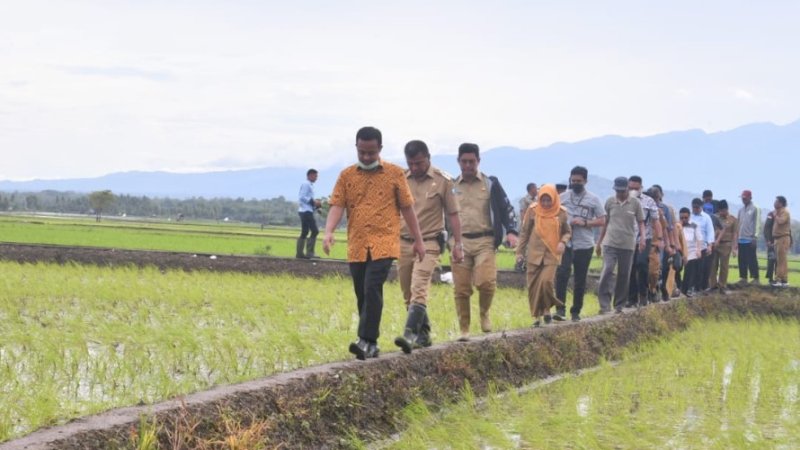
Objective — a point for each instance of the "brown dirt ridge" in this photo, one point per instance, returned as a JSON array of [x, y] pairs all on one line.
[[99, 256], [323, 407]]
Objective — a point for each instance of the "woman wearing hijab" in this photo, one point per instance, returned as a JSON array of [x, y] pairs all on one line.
[[545, 235]]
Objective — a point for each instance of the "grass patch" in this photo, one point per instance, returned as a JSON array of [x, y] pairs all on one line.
[[192, 237], [77, 340], [721, 384]]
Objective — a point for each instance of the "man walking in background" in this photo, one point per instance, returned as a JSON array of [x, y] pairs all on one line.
[[720, 257], [666, 278], [584, 213], [639, 293], [772, 257], [524, 204], [532, 191], [782, 235], [749, 229], [486, 216], [433, 200], [707, 236], [624, 221], [374, 193], [308, 204]]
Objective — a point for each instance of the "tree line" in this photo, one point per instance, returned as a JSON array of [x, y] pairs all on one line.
[[276, 211]]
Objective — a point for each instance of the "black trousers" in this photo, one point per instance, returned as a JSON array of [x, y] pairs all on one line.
[[368, 279], [579, 259], [308, 224], [701, 283], [748, 261], [639, 274], [771, 266], [692, 272]]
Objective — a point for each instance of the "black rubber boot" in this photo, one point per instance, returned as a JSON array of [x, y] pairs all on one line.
[[301, 244], [416, 314], [424, 337], [310, 248], [360, 348]]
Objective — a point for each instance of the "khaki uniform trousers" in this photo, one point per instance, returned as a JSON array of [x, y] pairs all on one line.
[[541, 289], [479, 268], [653, 268], [720, 261], [415, 276], [782, 245], [671, 281]]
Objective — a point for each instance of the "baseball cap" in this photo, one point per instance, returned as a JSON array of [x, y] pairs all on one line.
[[621, 184]]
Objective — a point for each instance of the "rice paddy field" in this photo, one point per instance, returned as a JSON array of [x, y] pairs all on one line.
[[76, 340], [719, 385], [213, 238], [219, 238]]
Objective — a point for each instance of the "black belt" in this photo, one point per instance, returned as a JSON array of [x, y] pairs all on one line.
[[408, 239], [477, 235]]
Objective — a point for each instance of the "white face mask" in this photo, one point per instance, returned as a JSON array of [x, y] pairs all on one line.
[[372, 166], [634, 193]]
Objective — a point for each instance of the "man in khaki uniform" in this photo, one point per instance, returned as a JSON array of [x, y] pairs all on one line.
[[723, 247], [782, 233], [432, 190], [486, 217]]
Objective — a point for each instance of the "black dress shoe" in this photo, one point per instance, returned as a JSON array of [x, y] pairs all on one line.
[[373, 351], [360, 348], [423, 341]]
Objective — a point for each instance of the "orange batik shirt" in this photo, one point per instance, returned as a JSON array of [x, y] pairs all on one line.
[[372, 199]]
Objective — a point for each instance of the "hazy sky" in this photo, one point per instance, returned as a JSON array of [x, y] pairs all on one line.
[[94, 87]]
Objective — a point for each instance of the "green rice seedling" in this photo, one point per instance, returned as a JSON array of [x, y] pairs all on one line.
[[146, 435], [206, 240], [78, 340], [721, 384]]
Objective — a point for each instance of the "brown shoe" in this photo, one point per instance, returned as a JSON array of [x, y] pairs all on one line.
[[486, 323], [464, 336]]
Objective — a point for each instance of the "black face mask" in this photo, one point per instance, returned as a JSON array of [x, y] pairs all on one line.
[[576, 187]]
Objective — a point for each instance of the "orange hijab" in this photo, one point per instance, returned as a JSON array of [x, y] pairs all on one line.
[[547, 225]]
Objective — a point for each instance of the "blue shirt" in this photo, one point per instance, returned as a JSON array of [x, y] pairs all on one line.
[[706, 227], [306, 197]]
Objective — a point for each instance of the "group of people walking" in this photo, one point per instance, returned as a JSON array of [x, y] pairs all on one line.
[[649, 252]]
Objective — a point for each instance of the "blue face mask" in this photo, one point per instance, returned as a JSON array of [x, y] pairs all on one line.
[[372, 166]]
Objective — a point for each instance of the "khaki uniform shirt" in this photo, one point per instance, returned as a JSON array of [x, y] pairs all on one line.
[[729, 225], [372, 199], [433, 198], [474, 199], [782, 226]]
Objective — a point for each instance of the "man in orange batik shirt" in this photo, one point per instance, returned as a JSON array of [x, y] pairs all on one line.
[[374, 193]]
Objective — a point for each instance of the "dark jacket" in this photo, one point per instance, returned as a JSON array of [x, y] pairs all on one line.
[[768, 228], [504, 218]]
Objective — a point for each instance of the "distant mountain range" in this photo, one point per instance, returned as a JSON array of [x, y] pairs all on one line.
[[762, 157]]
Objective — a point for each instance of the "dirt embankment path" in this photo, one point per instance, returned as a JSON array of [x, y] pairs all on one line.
[[30, 253], [320, 407]]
